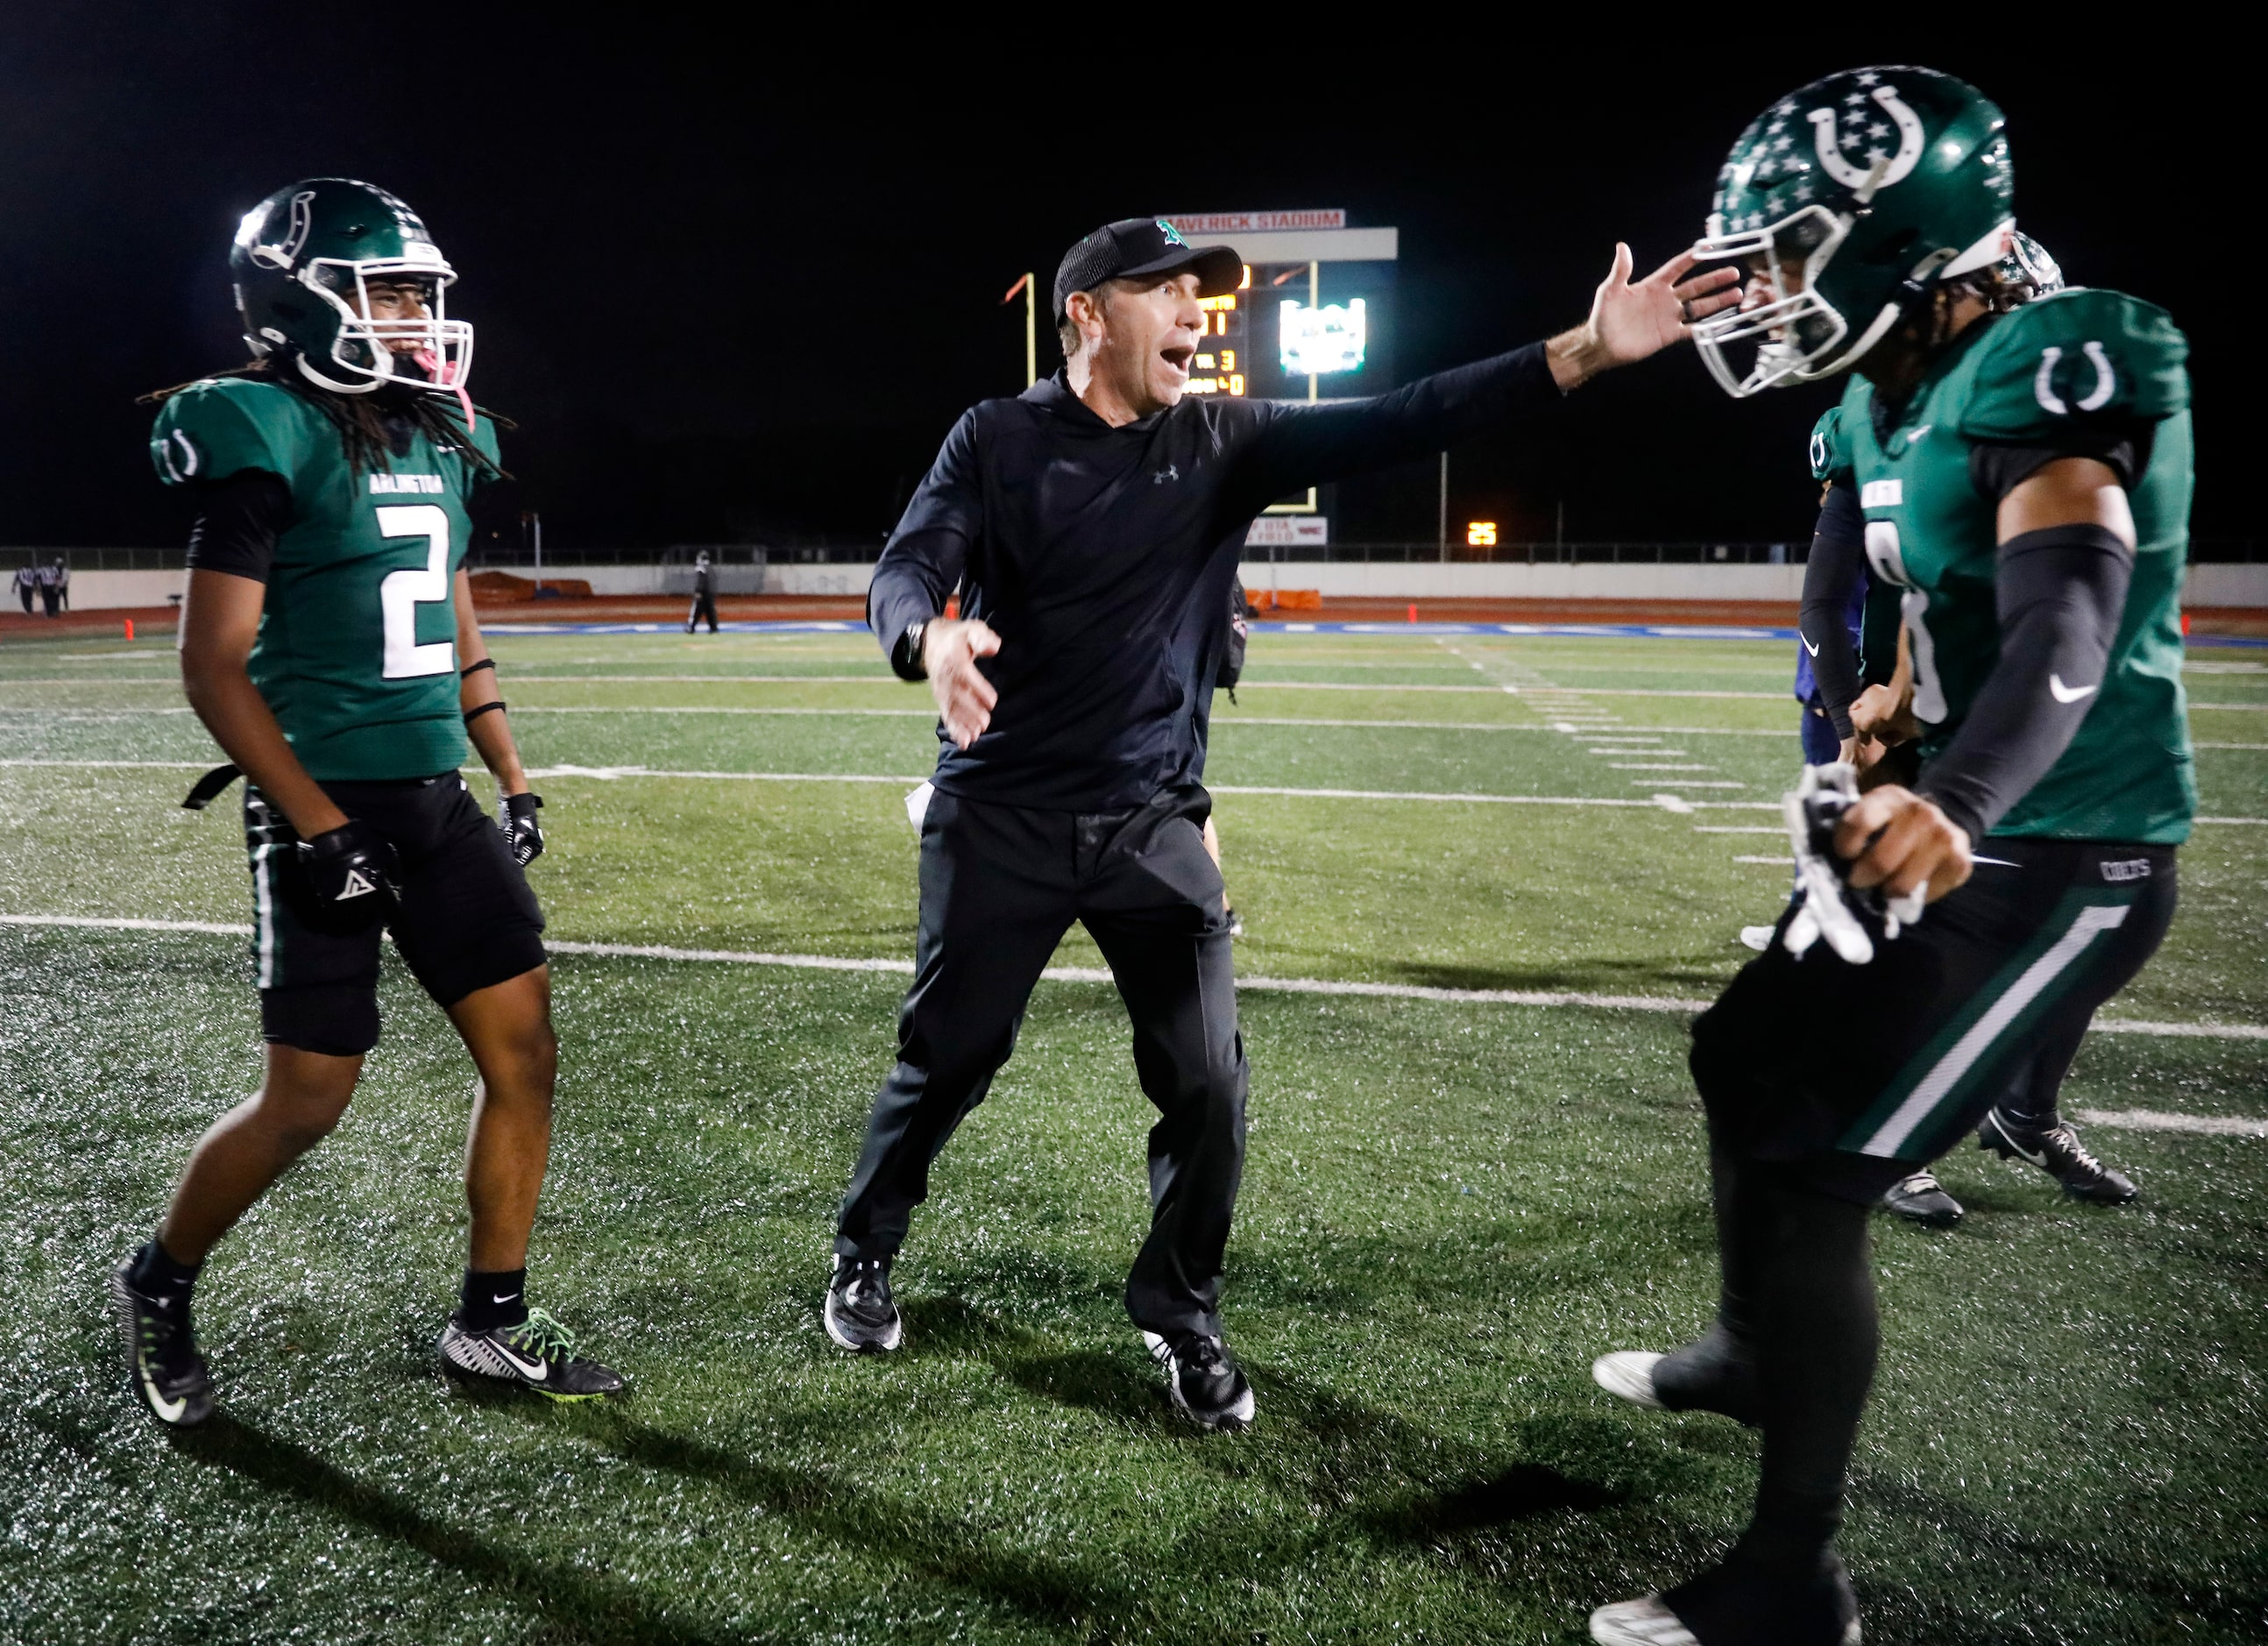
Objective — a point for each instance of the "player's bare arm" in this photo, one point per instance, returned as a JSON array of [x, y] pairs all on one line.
[[492, 736], [220, 619]]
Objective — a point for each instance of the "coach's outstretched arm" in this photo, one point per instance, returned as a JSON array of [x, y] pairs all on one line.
[[1630, 320]]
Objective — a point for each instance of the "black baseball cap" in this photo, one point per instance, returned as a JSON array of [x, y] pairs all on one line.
[[1133, 247]]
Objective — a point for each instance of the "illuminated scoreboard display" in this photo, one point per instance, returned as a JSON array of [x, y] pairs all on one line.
[[1220, 366], [1312, 318]]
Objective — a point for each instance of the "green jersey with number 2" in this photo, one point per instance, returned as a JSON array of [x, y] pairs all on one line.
[[2073, 370], [357, 654]]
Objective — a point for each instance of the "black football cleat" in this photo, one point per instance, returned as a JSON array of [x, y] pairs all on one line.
[[1921, 1198], [162, 1361], [2056, 1151], [537, 1354], [1207, 1386], [861, 1314]]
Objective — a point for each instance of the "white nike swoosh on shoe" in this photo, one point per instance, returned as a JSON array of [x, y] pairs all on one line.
[[2069, 694], [534, 1371], [167, 1411]]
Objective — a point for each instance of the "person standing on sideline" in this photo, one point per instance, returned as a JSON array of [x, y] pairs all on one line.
[[1093, 526], [27, 584], [336, 479], [704, 594], [50, 591], [62, 586]]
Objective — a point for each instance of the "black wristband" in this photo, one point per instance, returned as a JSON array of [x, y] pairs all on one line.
[[470, 669], [906, 652], [473, 714]]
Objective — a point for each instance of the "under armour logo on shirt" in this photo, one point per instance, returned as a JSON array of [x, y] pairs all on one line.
[[1169, 472]]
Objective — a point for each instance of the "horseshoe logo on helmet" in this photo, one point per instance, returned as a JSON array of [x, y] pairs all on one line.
[[283, 254], [1830, 153]]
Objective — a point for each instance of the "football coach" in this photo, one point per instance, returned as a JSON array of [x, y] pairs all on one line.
[[1093, 525]]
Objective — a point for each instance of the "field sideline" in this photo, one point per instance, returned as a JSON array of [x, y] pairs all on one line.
[[1484, 876]]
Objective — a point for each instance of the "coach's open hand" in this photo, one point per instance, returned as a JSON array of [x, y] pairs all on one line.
[[1633, 319], [1897, 840], [950, 648]]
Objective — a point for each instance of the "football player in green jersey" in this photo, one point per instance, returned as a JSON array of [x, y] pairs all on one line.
[[1867, 696], [330, 646], [2024, 479]]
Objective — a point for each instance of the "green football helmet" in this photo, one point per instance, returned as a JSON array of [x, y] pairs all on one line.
[[301, 254], [2029, 271], [1851, 199]]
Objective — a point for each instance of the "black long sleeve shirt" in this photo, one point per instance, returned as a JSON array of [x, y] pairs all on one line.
[[1102, 558]]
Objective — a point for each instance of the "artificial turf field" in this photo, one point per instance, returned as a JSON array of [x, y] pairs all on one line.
[[1451, 1204]]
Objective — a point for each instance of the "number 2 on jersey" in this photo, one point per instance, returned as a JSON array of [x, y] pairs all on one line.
[[401, 593]]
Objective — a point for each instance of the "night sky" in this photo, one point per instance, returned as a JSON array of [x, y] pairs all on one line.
[[735, 286]]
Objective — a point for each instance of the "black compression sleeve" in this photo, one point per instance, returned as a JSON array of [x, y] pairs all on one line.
[[2060, 592], [238, 522], [1837, 563]]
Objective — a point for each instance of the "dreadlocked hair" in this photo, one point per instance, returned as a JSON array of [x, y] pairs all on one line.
[[361, 425]]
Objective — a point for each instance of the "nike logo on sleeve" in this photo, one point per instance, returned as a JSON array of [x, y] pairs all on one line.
[[1807, 642], [2068, 694]]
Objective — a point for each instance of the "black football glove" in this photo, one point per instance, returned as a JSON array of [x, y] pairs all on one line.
[[522, 835], [350, 877]]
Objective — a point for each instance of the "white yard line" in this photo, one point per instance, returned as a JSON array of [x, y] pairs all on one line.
[[2158, 1120], [1086, 974]]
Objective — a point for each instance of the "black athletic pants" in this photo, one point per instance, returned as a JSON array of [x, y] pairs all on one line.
[[704, 605], [1826, 1082], [1000, 885]]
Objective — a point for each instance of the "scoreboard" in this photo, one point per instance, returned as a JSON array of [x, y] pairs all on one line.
[[1313, 317], [1223, 363]]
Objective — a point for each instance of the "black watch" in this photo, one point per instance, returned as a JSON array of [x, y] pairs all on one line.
[[908, 659]]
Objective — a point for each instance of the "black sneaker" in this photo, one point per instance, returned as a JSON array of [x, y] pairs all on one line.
[[2056, 1151], [1207, 1386], [860, 1314], [162, 1361], [1921, 1198], [538, 1353]]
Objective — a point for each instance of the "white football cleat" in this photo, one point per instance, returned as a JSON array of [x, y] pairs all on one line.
[[1757, 937], [1644, 1621], [1629, 1374]]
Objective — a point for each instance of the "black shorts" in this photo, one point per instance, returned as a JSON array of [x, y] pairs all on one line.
[[1858, 1075], [466, 919]]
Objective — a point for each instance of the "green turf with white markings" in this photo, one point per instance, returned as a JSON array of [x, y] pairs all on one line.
[[1451, 1206]]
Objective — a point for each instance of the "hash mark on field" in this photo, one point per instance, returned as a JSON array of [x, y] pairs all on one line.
[[1784, 862]]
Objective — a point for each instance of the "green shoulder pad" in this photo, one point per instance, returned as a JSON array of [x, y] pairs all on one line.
[[225, 425], [2080, 356], [1830, 458]]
